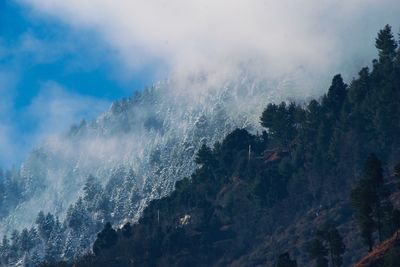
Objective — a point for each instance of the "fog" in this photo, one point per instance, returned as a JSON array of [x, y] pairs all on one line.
[[215, 38], [225, 61]]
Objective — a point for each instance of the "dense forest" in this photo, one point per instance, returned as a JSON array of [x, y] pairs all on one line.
[[318, 187], [52, 239]]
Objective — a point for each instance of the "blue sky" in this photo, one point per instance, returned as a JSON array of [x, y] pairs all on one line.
[[76, 59], [43, 62]]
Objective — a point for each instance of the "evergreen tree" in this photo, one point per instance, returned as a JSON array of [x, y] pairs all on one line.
[[104, 208], [334, 144], [5, 251], [48, 226], [358, 96], [284, 260], [105, 239], [362, 198], [318, 252], [34, 236], [45, 224], [71, 245], [55, 243], [280, 122], [40, 219], [322, 143], [373, 173], [91, 190], [367, 198], [25, 241], [327, 243], [123, 194], [386, 44], [77, 218], [313, 118], [335, 246], [15, 247], [127, 230], [34, 260], [392, 258], [336, 95], [132, 205], [294, 115], [205, 156], [360, 87]]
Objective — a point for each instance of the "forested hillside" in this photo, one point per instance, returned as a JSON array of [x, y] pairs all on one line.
[[109, 168], [319, 186]]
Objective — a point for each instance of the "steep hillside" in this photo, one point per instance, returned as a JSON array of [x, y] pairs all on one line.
[[132, 153], [155, 133], [256, 199], [388, 252]]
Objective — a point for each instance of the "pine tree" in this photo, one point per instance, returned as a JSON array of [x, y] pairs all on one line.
[[284, 260], [386, 44], [360, 87], [105, 239], [322, 143], [294, 115], [362, 201], [205, 157], [40, 218], [313, 117], [34, 260], [367, 198], [336, 95], [77, 218], [45, 224], [91, 190], [132, 205], [71, 245], [336, 247], [104, 208], [15, 247], [268, 116], [5, 251], [318, 252], [280, 122], [127, 230], [25, 241], [34, 236], [55, 243], [327, 243], [47, 227], [373, 173], [358, 95]]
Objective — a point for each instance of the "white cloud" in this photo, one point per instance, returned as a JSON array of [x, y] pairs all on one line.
[[306, 41], [274, 38], [51, 112], [8, 80], [55, 109]]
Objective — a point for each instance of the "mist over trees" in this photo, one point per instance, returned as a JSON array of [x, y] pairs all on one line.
[[287, 196], [53, 240], [310, 161]]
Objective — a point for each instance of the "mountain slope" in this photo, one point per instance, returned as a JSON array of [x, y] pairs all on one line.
[[380, 252], [132, 153], [254, 197], [154, 133]]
